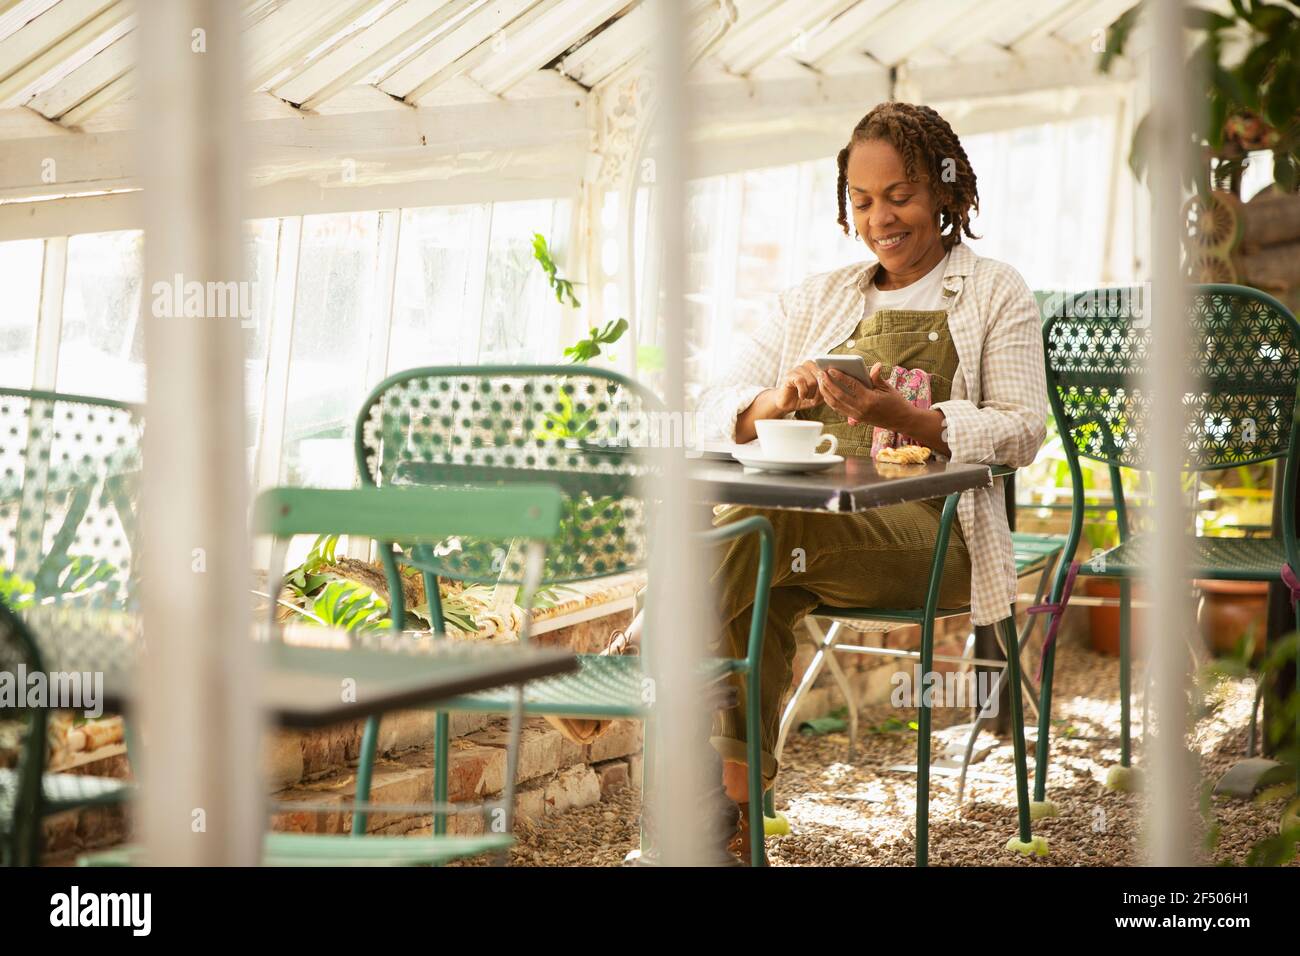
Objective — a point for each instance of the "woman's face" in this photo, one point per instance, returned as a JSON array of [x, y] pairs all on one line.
[[896, 218]]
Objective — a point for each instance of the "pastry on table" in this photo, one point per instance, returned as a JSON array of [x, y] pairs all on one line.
[[904, 455]]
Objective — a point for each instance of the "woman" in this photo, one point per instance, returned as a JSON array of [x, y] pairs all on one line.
[[924, 302]]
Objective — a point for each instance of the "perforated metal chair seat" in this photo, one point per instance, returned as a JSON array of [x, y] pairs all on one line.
[[1228, 559], [602, 687], [1033, 552]]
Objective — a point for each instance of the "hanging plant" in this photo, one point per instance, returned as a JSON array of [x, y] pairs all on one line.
[[1254, 103]]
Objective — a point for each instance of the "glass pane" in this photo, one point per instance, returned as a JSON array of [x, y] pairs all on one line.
[[261, 241], [1052, 169], [101, 351], [520, 315], [766, 234], [825, 247], [437, 300], [20, 277], [327, 362]]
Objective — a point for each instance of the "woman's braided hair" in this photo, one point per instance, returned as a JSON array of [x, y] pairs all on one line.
[[930, 151]]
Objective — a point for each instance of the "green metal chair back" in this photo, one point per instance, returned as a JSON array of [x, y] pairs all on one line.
[[1245, 358], [69, 469], [22, 747], [569, 426]]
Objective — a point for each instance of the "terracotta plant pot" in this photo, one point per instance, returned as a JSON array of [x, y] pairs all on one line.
[[1228, 610], [1103, 622]]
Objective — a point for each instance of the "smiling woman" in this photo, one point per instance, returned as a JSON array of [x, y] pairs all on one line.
[[928, 306]]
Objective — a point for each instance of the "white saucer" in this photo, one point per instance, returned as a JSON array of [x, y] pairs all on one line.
[[754, 459]]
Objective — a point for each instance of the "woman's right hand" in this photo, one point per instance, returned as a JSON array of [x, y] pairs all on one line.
[[798, 389]]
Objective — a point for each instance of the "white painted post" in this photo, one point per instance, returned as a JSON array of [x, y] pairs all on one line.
[[679, 604], [1169, 622], [202, 797]]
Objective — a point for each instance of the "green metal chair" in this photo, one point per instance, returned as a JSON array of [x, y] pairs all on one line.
[[69, 469], [530, 514], [1246, 348], [571, 426], [1034, 553]]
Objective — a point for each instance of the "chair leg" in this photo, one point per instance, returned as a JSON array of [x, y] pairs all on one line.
[[1125, 676], [981, 718], [441, 758], [1041, 747], [1123, 777], [1043, 744], [365, 769], [754, 746], [805, 683], [846, 690], [1026, 842], [923, 746]]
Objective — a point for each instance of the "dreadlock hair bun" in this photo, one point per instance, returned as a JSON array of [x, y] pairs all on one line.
[[931, 153]]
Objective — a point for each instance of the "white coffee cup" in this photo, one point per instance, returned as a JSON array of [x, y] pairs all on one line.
[[791, 439]]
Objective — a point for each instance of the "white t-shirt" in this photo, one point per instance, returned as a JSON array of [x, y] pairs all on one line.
[[923, 295]]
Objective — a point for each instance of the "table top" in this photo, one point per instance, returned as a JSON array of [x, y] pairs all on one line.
[[857, 485], [303, 686]]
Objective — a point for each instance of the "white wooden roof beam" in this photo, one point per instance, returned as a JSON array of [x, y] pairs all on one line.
[[399, 29], [479, 26], [755, 20], [1041, 27], [907, 28], [118, 89], [535, 40], [1101, 14], [785, 27], [88, 78], [622, 42], [393, 137], [1000, 24], [35, 51], [77, 58], [841, 33], [286, 35], [15, 14], [1011, 20]]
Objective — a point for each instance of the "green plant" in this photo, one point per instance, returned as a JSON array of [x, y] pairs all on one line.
[[306, 579], [16, 592], [562, 288], [351, 606], [1254, 103], [585, 349]]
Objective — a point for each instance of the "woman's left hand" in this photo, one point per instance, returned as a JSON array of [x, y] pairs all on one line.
[[881, 404]]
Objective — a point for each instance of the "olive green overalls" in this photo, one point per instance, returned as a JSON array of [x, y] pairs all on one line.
[[876, 558]]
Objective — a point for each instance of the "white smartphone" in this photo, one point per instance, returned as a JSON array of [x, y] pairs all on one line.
[[852, 365]]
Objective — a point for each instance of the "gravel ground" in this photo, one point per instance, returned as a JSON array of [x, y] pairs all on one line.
[[863, 813]]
